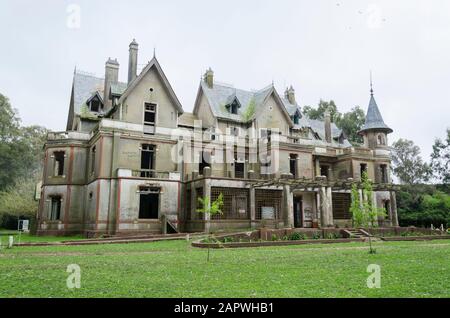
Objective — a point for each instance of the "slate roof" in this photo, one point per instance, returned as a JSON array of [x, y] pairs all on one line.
[[117, 89], [374, 120], [86, 86], [222, 95]]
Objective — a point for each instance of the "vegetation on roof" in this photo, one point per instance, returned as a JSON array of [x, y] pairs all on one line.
[[249, 112]]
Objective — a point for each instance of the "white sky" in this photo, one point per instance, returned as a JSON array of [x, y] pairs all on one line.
[[324, 48]]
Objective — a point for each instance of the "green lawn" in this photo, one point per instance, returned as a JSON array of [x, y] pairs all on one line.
[[26, 237], [175, 269]]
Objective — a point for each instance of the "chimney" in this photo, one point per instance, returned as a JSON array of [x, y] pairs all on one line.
[[132, 61], [111, 76], [290, 95], [327, 126], [209, 78]]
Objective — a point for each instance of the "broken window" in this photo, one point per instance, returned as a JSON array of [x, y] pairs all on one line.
[[149, 118], [55, 209], [384, 174], [324, 169], [293, 164], [147, 161], [93, 150], [95, 105], [363, 168], [58, 163], [239, 166], [148, 202]]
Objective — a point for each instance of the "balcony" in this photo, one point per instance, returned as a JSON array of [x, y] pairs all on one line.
[[149, 174]]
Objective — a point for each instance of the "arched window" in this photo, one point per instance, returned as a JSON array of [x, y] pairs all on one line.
[[381, 140]]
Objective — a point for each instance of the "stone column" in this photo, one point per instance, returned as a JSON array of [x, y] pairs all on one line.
[[330, 206], [288, 206], [318, 209], [252, 198], [394, 216], [323, 206], [317, 168]]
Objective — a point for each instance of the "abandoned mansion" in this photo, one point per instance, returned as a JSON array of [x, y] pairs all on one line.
[[133, 161]]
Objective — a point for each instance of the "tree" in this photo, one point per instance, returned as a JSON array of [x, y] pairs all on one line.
[[440, 159], [319, 112], [17, 201], [364, 212], [408, 165], [20, 147], [350, 122], [213, 208]]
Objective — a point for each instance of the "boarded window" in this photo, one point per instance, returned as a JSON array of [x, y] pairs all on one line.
[[55, 208], [341, 206], [93, 151], [384, 174], [148, 203]]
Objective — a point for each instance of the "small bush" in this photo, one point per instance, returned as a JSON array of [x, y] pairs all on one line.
[[316, 236], [297, 236], [228, 239], [274, 237]]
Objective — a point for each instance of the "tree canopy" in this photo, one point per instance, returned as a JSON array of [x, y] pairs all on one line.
[[350, 122], [440, 159], [408, 164], [21, 154]]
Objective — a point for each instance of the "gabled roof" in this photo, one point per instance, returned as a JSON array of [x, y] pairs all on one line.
[[153, 63], [220, 95], [374, 120], [95, 94]]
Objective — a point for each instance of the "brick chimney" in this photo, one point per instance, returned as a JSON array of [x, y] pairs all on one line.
[[290, 95], [132, 61], [327, 126], [209, 78], [111, 76]]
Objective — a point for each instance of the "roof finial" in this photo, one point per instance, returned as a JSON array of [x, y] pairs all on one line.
[[371, 84], [154, 51]]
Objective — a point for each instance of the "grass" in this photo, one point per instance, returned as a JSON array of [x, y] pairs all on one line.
[[26, 237], [175, 269]]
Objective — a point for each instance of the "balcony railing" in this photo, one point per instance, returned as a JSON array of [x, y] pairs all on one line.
[[154, 174]]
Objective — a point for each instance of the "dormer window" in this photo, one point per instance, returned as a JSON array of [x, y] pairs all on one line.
[[95, 103], [233, 106]]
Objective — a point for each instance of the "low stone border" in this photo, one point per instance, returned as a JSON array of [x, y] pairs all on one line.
[[273, 243], [415, 238]]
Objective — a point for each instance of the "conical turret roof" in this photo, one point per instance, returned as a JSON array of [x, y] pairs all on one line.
[[374, 120]]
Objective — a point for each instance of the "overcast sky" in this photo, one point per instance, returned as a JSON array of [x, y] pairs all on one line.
[[325, 49]]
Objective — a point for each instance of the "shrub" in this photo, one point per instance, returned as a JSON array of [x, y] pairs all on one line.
[[296, 236], [274, 237], [316, 236]]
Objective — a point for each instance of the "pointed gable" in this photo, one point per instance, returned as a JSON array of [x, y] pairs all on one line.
[[153, 64]]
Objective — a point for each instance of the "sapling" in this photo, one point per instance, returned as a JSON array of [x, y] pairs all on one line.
[[211, 209]]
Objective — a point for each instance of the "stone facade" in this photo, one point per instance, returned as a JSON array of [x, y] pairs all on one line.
[[132, 161]]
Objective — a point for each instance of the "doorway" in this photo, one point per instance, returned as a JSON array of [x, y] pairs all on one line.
[[148, 203], [298, 212]]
